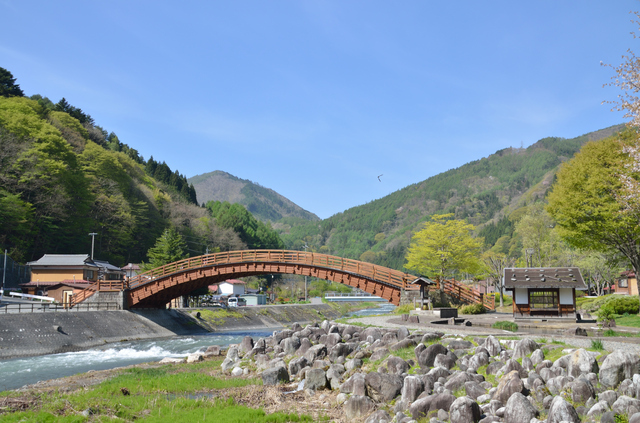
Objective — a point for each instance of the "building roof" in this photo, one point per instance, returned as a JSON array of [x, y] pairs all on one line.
[[79, 283], [545, 277], [108, 266], [63, 260], [234, 282], [422, 281], [131, 266]]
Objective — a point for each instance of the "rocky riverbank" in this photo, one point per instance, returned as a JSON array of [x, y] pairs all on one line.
[[393, 374]]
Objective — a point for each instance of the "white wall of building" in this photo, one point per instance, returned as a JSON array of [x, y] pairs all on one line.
[[227, 288], [521, 296], [566, 296]]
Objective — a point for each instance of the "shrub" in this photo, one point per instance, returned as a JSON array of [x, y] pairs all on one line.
[[618, 305], [505, 325], [473, 309], [596, 344]]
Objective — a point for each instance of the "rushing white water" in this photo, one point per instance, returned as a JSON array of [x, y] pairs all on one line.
[[19, 372]]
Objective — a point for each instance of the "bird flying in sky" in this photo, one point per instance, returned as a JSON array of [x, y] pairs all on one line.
[[379, 178]]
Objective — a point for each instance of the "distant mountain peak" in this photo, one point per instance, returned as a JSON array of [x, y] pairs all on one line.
[[264, 203]]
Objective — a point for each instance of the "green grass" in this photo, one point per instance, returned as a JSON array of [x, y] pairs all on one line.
[[176, 393], [596, 345], [629, 320], [505, 325]]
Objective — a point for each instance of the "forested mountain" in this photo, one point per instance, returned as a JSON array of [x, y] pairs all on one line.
[[62, 176], [264, 203], [486, 192]]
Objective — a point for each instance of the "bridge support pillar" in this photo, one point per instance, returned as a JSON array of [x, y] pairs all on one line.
[[116, 297]]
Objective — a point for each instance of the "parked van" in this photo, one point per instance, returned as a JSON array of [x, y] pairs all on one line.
[[236, 302]]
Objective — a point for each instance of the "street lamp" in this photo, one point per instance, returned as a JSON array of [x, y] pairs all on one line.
[[93, 237]]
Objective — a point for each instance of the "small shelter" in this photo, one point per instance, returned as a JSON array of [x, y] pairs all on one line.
[[424, 283], [544, 292]]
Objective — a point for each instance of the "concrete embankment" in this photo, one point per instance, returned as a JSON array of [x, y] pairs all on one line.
[[31, 334]]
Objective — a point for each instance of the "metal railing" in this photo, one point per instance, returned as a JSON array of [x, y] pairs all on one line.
[[54, 308]]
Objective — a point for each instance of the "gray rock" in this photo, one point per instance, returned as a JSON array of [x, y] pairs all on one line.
[[609, 396], [397, 365], [618, 365], [358, 406], [494, 367], [246, 345], [537, 357], [379, 353], [305, 344], [443, 360], [561, 411], [474, 390], [354, 385], [464, 410], [354, 363], [341, 350], [492, 346], [316, 352], [519, 409], [598, 409], [291, 345], [581, 390], [379, 416], [479, 359], [509, 385], [635, 418], [403, 343], [624, 403], [457, 380], [275, 375], [428, 356], [316, 379], [580, 363], [296, 365], [383, 387], [422, 406], [525, 347], [412, 388], [608, 417]]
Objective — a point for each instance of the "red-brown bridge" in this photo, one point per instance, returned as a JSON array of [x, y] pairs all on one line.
[[157, 287]]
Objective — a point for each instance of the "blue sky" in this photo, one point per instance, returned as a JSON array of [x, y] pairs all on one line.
[[315, 99]]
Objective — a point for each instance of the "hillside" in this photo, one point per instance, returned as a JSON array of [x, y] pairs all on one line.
[[62, 177], [485, 192], [264, 203]]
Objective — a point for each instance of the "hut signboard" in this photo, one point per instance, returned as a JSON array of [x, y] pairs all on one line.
[[548, 292]]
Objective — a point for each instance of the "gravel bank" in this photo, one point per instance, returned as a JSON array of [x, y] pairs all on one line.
[[631, 345]]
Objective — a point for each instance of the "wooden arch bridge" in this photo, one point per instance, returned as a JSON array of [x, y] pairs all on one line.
[[157, 287]]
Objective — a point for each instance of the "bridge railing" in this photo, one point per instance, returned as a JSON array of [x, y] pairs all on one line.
[[391, 277]]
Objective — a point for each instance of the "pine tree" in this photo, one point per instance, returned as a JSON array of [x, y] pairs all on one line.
[[8, 86], [169, 247]]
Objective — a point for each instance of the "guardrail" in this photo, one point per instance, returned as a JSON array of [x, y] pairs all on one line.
[[49, 308], [32, 297]]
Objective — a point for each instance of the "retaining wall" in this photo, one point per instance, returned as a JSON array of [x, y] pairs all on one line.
[[30, 334]]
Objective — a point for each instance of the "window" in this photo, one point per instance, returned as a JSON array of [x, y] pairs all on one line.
[[89, 275], [622, 283], [543, 299]]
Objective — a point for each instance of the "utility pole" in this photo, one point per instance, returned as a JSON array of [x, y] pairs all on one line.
[[305, 276], [93, 237]]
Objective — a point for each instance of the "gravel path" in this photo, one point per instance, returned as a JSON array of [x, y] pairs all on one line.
[[631, 345]]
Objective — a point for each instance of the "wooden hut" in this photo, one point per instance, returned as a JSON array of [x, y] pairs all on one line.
[[548, 292]]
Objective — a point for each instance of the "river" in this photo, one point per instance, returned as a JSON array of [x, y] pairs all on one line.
[[19, 372]]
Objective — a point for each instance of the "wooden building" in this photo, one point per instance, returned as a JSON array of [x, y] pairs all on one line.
[[548, 292]]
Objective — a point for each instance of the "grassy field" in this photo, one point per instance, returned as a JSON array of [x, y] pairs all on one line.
[[176, 393]]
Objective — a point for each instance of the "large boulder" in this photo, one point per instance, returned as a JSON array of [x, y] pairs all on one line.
[[581, 363], [412, 388], [275, 375], [509, 385], [624, 403], [354, 385], [290, 345], [561, 411], [618, 366], [296, 365], [316, 379], [525, 347], [358, 406], [464, 410], [519, 409], [316, 352], [341, 350], [422, 406], [380, 416], [581, 390], [428, 356], [383, 387], [492, 345]]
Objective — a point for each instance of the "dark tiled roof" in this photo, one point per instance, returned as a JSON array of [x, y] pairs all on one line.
[[62, 260], [545, 277]]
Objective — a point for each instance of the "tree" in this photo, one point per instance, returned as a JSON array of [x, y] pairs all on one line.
[[169, 247], [8, 86], [444, 248], [495, 263], [584, 201]]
